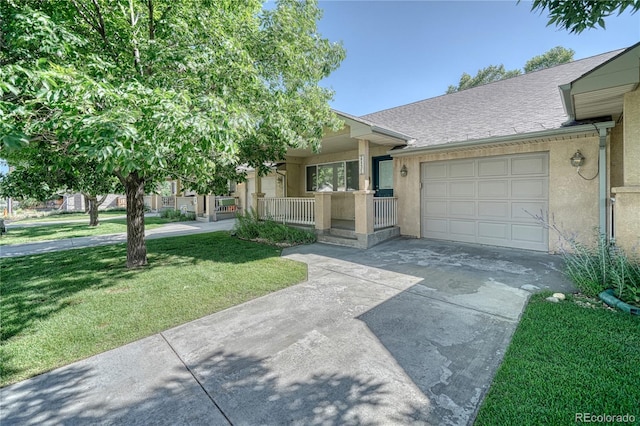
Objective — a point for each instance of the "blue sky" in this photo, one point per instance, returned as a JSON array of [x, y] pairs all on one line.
[[405, 51]]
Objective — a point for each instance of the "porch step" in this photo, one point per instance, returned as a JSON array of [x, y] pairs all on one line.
[[202, 218], [343, 233], [339, 241]]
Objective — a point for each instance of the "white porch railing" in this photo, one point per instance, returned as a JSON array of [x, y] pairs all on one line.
[[385, 212], [169, 202], [294, 210]]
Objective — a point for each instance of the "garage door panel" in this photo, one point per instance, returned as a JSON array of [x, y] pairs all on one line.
[[524, 211], [436, 189], [437, 171], [495, 230], [462, 169], [529, 188], [436, 208], [529, 165], [494, 205], [493, 188], [465, 228], [462, 208], [437, 226], [499, 167], [528, 233], [493, 210], [462, 189]]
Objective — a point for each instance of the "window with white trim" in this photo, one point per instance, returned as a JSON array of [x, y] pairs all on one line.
[[338, 176]]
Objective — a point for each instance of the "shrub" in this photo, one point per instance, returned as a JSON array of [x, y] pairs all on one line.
[[177, 215], [604, 266], [250, 227]]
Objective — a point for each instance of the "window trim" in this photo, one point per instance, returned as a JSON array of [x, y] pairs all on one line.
[[316, 165]]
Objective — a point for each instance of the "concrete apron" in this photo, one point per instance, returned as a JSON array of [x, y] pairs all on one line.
[[410, 331]]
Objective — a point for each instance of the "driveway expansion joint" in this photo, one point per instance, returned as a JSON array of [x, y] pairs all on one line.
[[213, 401]]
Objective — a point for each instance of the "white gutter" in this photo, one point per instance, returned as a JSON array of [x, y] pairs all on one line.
[[602, 178], [562, 131]]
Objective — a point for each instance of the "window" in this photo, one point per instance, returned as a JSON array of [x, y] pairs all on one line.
[[339, 176]]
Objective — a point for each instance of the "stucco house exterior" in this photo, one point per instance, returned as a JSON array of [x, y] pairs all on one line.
[[482, 165]]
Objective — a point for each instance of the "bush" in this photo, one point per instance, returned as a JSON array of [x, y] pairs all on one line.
[[604, 266], [250, 227], [177, 215]]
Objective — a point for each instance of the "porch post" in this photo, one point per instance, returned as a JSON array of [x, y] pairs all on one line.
[[256, 196], [323, 211], [210, 207], [364, 165], [364, 213]]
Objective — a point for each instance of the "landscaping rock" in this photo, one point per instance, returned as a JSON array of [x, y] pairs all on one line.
[[552, 299], [559, 296]]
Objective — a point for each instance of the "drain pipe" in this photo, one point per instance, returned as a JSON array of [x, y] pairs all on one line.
[[602, 167]]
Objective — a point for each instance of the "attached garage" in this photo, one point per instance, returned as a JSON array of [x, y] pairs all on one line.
[[488, 200]]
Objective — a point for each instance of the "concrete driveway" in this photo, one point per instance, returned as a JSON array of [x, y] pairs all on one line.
[[409, 332]]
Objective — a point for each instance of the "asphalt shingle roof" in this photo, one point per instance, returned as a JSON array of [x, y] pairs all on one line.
[[527, 103]]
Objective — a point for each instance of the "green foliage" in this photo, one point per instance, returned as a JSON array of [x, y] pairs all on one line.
[[177, 215], [157, 89], [250, 227], [60, 307], [595, 269], [556, 56], [579, 15], [565, 358], [483, 76]]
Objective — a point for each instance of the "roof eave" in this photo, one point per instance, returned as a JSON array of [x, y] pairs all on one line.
[[497, 140]]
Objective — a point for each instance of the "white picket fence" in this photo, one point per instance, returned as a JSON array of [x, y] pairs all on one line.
[[385, 212], [293, 210]]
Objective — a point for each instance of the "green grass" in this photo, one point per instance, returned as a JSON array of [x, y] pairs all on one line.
[[61, 307], [59, 231], [566, 359]]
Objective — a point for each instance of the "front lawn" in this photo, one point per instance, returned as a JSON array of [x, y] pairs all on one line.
[[61, 307], [566, 360], [60, 217], [60, 231]]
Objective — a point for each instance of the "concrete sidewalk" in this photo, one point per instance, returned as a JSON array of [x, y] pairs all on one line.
[[168, 230], [408, 332]]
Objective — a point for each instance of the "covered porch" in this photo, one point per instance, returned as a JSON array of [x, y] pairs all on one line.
[[344, 191]]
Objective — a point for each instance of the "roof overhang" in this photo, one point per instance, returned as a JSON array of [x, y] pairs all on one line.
[[354, 129], [600, 92], [544, 135]]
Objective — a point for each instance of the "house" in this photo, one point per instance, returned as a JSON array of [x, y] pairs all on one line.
[[495, 164]]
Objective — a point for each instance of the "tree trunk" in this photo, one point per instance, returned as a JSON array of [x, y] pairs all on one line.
[[136, 245], [86, 203], [93, 209]]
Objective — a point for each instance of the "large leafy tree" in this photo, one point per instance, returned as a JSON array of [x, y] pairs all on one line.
[[151, 89], [556, 56], [40, 173], [578, 15]]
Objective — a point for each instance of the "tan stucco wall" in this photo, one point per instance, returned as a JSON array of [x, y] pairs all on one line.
[[632, 138], [573, 201], [616, 156], [627, 219]]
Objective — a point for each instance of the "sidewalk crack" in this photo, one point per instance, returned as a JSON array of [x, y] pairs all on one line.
[[197, 380]]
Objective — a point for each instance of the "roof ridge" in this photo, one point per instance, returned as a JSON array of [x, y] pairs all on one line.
[[365, 116]]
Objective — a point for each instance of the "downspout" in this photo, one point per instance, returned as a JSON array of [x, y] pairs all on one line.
[[602, 167]]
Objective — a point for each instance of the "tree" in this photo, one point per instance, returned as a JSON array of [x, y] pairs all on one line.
[[157, 88], [578, 15], [40, 177], [556, 56], [483, 76]]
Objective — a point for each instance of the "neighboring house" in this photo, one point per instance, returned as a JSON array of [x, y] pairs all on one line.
[[76, 202], [482, 165]]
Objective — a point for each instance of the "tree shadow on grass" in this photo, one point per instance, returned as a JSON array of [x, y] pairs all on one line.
[[36, 287], [237, 387]]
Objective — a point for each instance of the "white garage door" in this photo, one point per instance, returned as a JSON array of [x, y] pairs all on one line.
[[487, 200]]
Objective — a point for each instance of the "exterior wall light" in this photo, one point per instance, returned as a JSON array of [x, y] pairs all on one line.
[[404, 171], [578, 159]]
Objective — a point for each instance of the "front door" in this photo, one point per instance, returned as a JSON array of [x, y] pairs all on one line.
[[383, 176]]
